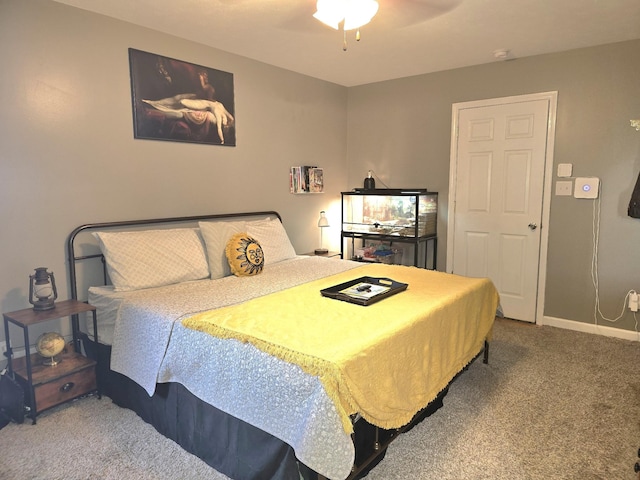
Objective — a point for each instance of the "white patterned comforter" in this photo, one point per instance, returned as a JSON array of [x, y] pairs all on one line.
[[237, 378]]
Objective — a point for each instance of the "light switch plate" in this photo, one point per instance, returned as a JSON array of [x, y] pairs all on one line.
[[564, 188], [586, 187], [565, 169]]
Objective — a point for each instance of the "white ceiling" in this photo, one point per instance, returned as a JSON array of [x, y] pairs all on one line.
[[407, 37]]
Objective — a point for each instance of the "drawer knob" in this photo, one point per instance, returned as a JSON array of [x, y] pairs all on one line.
[[66, 387]]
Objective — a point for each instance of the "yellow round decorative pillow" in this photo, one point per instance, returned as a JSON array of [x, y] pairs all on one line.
[[244, 255]]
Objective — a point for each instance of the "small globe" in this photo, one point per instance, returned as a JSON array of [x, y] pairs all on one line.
[[49, 345]]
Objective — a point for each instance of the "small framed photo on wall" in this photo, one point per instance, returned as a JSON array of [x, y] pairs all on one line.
[[179, 101]]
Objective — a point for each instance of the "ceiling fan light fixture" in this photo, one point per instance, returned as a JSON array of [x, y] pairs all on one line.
[[329, 12], [354, 13], [359, 13]]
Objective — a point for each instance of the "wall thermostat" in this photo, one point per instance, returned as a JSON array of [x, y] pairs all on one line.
[[586, 187]]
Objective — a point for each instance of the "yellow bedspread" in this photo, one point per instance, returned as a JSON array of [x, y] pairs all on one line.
[[385, 361]]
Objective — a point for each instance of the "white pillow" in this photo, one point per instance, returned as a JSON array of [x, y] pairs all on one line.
[[216, 235], [273, 239], [152, 258]]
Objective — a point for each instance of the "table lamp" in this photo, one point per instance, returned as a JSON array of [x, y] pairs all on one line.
[[323, 222]]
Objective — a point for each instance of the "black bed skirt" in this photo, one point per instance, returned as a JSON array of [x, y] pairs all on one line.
[[228, 444]]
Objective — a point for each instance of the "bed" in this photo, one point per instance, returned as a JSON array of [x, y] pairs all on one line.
[[256, 372]]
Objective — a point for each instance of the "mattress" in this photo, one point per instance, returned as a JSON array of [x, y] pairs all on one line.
[[108, 300]]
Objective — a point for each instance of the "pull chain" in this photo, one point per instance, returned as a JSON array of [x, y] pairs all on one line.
[[344, 38]]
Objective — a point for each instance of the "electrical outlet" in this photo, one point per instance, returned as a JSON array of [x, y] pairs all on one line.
[[633, 301]]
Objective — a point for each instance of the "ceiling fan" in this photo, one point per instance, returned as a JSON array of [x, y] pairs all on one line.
[[354, 14], [390, 13]]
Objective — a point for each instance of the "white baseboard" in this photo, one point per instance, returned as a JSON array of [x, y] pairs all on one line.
[[591, 328]]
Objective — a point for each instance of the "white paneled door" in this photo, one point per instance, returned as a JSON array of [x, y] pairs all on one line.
[[499, 154]]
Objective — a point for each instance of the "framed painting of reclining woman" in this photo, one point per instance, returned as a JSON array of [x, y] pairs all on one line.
[[179, 101]]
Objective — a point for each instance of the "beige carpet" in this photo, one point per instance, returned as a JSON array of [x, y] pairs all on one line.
[[551, 404]]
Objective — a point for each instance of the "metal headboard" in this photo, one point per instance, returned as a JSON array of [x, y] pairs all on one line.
[[79, 253]]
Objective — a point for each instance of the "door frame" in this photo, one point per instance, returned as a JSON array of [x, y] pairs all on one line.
[[552, 99]]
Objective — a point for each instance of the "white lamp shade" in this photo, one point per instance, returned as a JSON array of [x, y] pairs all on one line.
[[323, 221], [355, 13]]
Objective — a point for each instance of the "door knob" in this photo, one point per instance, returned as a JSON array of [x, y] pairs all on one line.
[[533, 226]]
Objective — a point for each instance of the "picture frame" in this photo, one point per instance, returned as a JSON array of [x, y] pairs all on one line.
[[178, 101]]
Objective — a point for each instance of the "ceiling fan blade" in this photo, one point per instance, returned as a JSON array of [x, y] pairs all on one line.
[[404, 13]]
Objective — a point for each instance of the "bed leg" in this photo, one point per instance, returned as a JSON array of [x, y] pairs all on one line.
[[486, 352]]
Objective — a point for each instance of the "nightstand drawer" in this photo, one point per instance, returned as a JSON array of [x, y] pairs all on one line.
[[65, 388]]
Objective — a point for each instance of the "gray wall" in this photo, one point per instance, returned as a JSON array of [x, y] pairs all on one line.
[[401, 130], [68, 156]]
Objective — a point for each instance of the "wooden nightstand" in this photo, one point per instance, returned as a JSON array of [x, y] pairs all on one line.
[[48, 386]]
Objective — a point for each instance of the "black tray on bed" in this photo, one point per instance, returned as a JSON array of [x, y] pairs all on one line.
[[379, 288]]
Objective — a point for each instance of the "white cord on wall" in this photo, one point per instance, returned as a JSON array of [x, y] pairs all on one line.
[[594, 272]]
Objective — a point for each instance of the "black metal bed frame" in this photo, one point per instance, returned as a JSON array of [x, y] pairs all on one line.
[[74, 259]]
